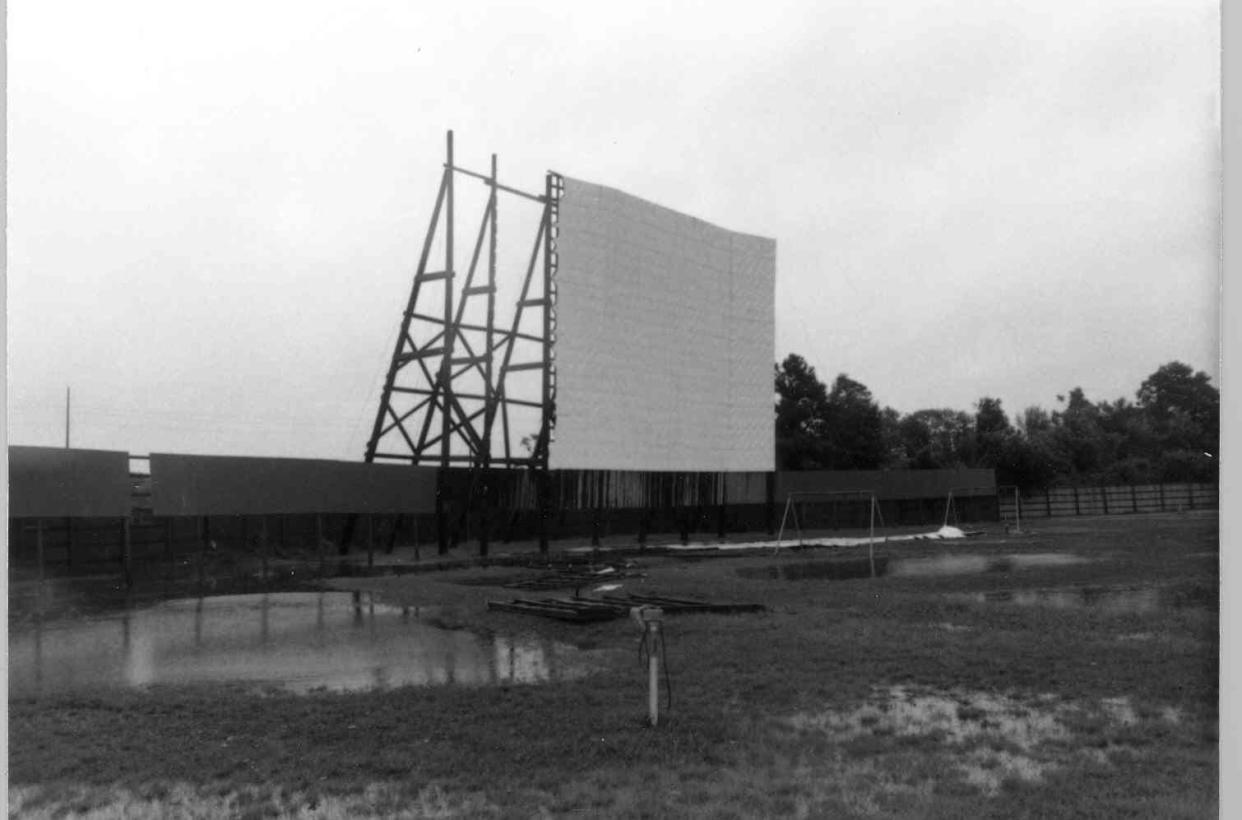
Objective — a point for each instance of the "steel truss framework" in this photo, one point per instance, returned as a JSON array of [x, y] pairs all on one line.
[[450, 388]]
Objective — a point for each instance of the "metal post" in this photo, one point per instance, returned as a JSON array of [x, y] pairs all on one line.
[[168, 544], [205, 532], [489, 388], [1017, 509], [323, 565], [769, 501], [441, 516], [784, 517], [871, 539], [370, 540], [39, 550], [653, 672], [450, 331], [649, 619], [683, 515], [125, 552], [542, 503], [484, 513], [263, 549], [545, 427]]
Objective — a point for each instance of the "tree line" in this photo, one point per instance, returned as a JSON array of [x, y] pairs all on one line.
[[1170, 432]]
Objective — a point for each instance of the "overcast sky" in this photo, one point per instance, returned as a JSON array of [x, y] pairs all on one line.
[[215, 209]]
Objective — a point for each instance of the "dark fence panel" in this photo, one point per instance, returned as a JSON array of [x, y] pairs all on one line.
[[1140, 498], [599, 503], [623, 489], [72, 543], [48, 482], [97, 544], [274, 508], [889, 483], [237, 485]]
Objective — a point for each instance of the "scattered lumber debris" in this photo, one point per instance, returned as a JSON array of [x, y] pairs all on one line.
[[607, 607], [576, 577], [679, 605], [576, 611]]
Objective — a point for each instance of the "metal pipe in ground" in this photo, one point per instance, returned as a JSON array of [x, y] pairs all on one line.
[[263, 550], [39, 549], [126, 552], [649, 619], [323, 561], [204, 539], [871, 539], [653, 672]]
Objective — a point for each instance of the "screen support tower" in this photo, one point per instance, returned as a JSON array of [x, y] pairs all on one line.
[[459, 379]]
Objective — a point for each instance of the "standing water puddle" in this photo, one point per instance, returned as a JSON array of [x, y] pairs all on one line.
[[970, 564], [299, 642], [1128, 601], [836, 569]]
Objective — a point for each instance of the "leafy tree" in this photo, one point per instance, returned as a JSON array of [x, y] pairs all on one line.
[[1183, 409], [1176, 388], [1171, 434], [890, 434], [992, 430], [1129, 431], [939, 438], [821, 429], [854, 427], [801, 398], [1076, 432], [801, 409], [1035, 420], [916, 438], [990, 418], [1029, 462]]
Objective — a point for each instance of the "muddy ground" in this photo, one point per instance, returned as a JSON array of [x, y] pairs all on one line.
[[1071, 670]]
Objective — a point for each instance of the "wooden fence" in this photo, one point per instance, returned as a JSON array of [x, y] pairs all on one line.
[[1062, 502]]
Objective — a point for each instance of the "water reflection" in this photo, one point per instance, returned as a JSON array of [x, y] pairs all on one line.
[[970, 564], [296, 641], [839, 569], [1102, 599]]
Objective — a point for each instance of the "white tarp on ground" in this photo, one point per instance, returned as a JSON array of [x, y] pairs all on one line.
[[853, 541], [665, 336], [943, 533]]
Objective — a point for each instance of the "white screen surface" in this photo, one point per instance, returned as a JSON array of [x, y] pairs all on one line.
[[664, 339]]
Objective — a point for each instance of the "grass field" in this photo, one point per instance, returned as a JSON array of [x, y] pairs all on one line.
[[1037, 689]]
